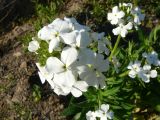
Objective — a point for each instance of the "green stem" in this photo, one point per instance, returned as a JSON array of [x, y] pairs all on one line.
[[115, 47]]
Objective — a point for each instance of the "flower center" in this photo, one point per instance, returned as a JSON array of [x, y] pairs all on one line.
[[56, 34]]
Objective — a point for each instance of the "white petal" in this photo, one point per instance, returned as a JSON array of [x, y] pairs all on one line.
[[153, 74], [115, 9], [129, 26], [75, 92], [59, 91], [91, 80], [110, 16], [130, 65], [60, 25], [33, 46], [146, 78], [132, 74], [105, 107], [54, 65], [101, 64], [81, 85], [69, 55], [124, 32], [46, 33], [42, 78], [116, 31], [83, 71], [101, 81], [146, 67], [86, 56], [83, 39], [114, 21], [69, 38], [44, 75], [65, 80], [120, 14], [53, 44]]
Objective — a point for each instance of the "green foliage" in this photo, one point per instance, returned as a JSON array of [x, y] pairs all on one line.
[[36, 93], [45, 13]]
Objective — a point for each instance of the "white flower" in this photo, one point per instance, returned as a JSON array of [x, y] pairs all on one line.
[[90, 115], [64, 75], [78, 88], [135, 68], [79, 39], [102, 42], [115, 16], [46, 33], [147, 73], [33, 46], [122, 29], [92, 71], [45, 75], [51, 36], [60, 26], [138, 16], [52, 33], [103, 113], [75, 25], [152, 58]]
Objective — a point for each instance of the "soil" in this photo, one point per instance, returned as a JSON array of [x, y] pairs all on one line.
[[18, 75], [18, 78]]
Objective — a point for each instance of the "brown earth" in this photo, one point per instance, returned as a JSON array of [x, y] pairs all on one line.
[[18, 78], [18, 74]]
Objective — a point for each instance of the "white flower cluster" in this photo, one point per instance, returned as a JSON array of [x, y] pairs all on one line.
[[103, 113], [145, 72], [79, 64], [125, 16]]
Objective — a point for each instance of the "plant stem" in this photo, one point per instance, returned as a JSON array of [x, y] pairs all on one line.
[[99, 98], [115, 47]]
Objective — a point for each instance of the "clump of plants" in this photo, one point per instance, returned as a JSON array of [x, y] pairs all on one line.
[[106, 80]]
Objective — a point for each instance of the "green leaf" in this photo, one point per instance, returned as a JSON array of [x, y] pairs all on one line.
[[71, 110], [111, 91]]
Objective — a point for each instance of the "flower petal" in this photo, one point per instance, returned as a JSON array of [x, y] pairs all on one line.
[[54, 65], [75, 92], [33, 46], [65, 80], [53, 44], [105, 107], [69, 55], [81, 85], [83, 39], [132, 74], [46, 33], [69, 38], [153, 74], [116, 31]]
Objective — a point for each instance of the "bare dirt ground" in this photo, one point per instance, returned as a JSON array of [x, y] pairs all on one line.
[[18, 75]]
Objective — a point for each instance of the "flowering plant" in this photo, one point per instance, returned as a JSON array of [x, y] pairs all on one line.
[[76, 60]]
